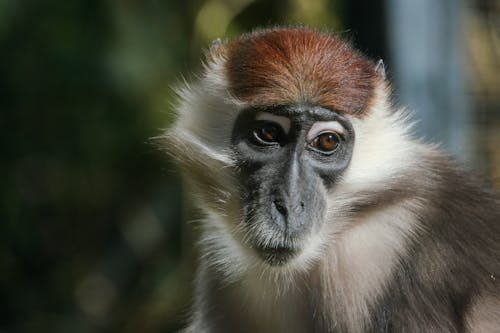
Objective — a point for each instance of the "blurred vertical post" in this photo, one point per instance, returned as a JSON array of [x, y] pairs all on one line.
[[427, 50]]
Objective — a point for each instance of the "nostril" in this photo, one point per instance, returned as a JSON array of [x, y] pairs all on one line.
[[280, 207], [298, 208]]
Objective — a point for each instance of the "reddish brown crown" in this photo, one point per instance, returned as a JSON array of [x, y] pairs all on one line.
[[299, 65]]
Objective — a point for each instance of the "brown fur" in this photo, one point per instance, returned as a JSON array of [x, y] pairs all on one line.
[[297, 65]]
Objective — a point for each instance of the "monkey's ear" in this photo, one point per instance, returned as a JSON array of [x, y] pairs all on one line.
[[380, 69], [216, 50], [215, 44]]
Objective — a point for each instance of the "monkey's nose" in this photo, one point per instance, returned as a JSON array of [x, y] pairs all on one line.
[[280, 207], [288, 216]]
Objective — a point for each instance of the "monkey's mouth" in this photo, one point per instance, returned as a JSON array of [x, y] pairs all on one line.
[[278, 255]]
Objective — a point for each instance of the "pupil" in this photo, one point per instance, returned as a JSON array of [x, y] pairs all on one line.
[[269, 133], [328, 141]]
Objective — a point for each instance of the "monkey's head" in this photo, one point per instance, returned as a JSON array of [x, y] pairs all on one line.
[[268, 136]]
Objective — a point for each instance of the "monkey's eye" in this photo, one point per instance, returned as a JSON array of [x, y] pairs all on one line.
[[326, 142], [268, 133], [325, 136]]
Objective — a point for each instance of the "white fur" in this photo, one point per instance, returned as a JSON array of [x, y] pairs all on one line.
[[222, 250], [484, 316], [207, 110], [383, 146]]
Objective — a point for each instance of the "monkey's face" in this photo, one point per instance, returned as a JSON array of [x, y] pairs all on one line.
[[288, 158]]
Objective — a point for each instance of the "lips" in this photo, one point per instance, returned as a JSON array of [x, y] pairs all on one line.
[[277, 256]]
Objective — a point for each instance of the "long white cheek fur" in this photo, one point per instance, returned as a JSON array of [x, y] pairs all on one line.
[[207, 110], [382, 147]]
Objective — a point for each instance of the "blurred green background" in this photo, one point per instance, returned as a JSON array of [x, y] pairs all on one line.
[[91, 210]]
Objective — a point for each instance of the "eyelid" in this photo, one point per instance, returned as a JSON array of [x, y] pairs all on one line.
[[284, 122], [324, 126]]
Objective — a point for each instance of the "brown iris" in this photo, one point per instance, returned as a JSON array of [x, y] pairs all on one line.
[[326, 142], [268, 133]]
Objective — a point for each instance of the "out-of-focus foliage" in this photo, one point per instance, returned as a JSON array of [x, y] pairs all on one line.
[[482, 31], [89, 208]]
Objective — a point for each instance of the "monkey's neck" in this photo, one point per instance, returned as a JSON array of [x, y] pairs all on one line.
[[262, 304]]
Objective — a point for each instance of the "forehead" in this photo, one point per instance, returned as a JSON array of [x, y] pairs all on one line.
[[290, 66]]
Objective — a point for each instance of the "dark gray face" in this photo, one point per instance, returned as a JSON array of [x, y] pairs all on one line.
[[288, 157]]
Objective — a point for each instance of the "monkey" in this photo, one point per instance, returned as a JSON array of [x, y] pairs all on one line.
[[322, 211]]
